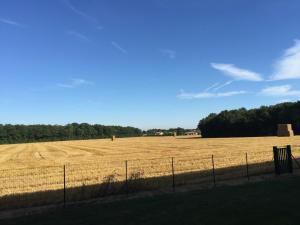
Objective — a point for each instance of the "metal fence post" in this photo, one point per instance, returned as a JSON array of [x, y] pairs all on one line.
[[213, 169], [64, 185], [247, 166], [126, 176], [173, 175]]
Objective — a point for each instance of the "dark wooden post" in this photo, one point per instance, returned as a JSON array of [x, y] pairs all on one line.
[[126, 176], [275, 153], [64, 185], [290, 161], [213, 169], [173, 175], [247, 166]]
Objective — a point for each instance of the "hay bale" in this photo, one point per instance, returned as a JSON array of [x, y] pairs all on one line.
[[285, 130], [113, 138]]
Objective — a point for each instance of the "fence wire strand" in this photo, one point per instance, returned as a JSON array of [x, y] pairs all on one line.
[[44, 185]]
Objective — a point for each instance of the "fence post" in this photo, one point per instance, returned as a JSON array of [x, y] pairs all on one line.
[[290, 162], [213, 169], [275, 153], [126, 176], [173, 175], [64, 185], [247, 166]]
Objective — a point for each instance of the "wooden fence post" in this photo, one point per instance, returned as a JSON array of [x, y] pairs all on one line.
[[213, 169], [275, 153], [173, 175], [126, 176], [247, 166], [64, 185], [290, 161]]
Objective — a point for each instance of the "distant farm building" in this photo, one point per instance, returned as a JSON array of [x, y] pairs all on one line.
[[159, 133], [285, 130], [191, 133]]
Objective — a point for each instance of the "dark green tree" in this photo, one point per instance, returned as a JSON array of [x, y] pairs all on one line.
[[254, 122]]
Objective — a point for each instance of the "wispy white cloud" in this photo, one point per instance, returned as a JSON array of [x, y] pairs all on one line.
[[237, 73], [76, 82], [78, 35], [279, 91], [118, 47], [12, 23], [79, 12], [211, 87], [288, 66], [222, 85], [202, 95], [171, 54], [217, 86]]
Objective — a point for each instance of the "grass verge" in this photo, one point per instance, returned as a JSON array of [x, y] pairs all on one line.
[[271, 202]]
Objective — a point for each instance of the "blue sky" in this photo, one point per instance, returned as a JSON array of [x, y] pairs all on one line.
[[154, 63]]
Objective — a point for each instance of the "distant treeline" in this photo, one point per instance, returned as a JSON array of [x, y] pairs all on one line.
[[36, 133], [254, 122], [167, 132]]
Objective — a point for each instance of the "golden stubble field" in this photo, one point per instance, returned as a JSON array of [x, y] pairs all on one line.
[[38, 166], [86, 151]]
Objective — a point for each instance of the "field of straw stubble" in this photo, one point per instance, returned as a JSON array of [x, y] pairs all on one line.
[[39, 166]]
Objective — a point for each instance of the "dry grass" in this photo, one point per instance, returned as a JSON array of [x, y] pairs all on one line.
[[95, 161]]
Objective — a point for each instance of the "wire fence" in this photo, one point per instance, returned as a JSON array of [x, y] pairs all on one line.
[[28, 187]]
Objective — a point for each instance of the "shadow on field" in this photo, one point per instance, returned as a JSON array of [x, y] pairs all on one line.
[[136, 182]]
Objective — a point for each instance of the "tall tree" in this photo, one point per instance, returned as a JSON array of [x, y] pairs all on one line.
[[254, 122]]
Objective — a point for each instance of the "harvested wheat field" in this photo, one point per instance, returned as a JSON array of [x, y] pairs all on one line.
[[39, 166], [86, 151]]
